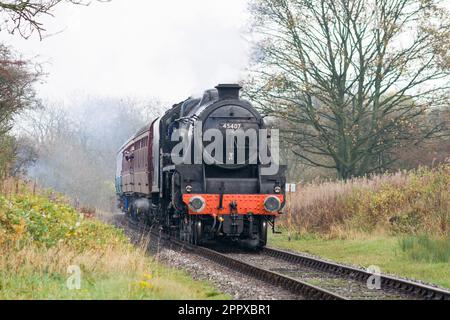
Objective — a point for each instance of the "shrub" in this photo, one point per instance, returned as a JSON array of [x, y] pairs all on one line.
[[41, 236], [47, 221], [415, 202]]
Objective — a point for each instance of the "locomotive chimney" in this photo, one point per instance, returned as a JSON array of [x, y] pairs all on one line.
[[228, 91]]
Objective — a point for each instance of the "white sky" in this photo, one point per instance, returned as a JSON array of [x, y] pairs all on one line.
[[139, 48]]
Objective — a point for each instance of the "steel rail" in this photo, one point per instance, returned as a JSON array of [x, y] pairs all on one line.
[[296, 286], [306, 290], [410, 288]]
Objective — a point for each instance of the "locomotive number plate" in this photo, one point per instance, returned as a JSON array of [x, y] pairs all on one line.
[[231, 126]]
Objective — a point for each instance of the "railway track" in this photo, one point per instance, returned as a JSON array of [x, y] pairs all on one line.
[[309, 277], [304, 289], [387, 283], [348, 282]]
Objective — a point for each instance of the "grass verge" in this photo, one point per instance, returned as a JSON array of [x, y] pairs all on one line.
[[45, 244], [418, 258], [34, 273]]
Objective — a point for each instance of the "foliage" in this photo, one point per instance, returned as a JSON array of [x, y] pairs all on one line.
[[17, 77], [41, 236], [415, 202], [24, 156], [421, 205], [428, 154], [6, 154], [37, 220]]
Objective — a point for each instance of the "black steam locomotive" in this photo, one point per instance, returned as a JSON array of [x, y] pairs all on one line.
[[169, 174]]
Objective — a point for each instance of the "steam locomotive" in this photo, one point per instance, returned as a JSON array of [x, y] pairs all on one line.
[[169, 174]]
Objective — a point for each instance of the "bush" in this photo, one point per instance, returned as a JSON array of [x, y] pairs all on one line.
[[415, 202], [418, 206], [42, 221], [41, 236]]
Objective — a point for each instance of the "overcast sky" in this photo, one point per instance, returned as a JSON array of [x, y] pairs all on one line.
[[140, 48]]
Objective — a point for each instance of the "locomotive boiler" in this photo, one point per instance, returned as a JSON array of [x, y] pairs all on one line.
[[205, 171]]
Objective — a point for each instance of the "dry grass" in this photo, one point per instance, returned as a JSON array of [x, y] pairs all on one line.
[[10, 186], [57, 259], [41, 236], [111, 273], [320, 206], [404, 202]]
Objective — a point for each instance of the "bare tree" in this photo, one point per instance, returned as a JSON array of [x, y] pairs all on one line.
[[23, 16], [77, 145], [46, 125], [352, 78]]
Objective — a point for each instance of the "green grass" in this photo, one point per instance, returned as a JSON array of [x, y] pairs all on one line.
[[168, 284], [41, 238], [389, 253], [423, 248]]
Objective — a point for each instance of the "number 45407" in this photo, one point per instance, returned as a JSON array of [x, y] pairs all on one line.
[[232, 126]]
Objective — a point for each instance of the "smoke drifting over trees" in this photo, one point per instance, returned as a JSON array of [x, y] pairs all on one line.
[[76, 146]]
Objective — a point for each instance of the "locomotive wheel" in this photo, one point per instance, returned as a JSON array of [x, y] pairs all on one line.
[[183, 230], [260, 241], [190, 234], [133, 213], [186, 230], [191, 230], [137, 214], [262, 233], [197, 231]]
